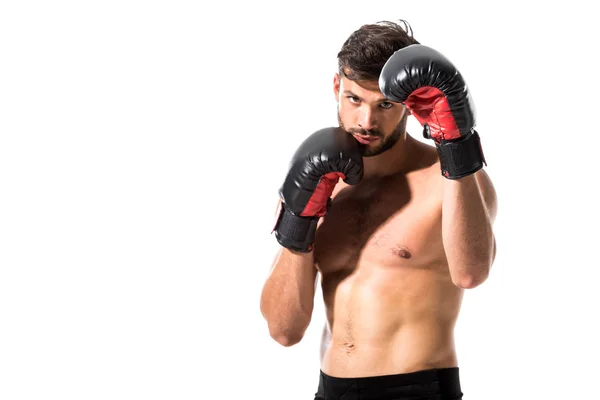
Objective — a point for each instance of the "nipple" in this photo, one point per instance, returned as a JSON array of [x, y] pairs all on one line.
[[402, 252]]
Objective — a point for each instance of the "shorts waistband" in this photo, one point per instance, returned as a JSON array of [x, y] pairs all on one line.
[[448, 378]]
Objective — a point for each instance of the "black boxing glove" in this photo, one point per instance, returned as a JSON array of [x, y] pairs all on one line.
[[437, 95], [316, 167]]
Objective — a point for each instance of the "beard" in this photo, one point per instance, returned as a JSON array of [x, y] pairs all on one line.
[[386, 142]]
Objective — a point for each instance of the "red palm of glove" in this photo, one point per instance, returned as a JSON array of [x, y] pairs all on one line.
[[430, 107], [318, 202]]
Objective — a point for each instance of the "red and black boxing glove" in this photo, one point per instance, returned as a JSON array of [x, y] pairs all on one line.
[[429, 85], [316, 167]]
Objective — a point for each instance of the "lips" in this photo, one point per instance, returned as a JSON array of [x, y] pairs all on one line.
[[365, 139]]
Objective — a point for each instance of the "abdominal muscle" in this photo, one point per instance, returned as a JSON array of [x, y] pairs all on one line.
[[383, 321]]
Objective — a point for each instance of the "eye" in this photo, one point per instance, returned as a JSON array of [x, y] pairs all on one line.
[[353, 99], [386, 105]]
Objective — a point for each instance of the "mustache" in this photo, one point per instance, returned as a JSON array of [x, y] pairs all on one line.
[[364, 132]]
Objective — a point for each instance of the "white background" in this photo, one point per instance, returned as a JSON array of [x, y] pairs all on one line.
[[142, 147]]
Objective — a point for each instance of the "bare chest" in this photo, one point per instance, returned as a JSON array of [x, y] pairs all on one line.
[[386, 223]]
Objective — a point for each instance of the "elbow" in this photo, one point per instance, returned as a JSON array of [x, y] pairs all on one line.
[[286, 338], [470, 280], [285, 333], [286, 329]]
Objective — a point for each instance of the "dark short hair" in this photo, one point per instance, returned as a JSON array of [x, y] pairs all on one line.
[[367, 49]]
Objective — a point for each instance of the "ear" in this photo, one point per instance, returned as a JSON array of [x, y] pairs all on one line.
[[336, 86]]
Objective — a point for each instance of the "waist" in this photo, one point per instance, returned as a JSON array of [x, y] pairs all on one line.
[[428, 382], [410, 348]]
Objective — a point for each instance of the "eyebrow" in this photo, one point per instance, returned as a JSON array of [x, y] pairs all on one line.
[[350, 93]]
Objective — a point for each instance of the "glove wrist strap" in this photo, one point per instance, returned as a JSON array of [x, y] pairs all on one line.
[[295, 232], [462, 157]]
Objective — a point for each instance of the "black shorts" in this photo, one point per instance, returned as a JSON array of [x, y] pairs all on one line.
[[431, 384]]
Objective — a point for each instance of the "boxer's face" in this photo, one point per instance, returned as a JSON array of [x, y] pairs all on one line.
[[365, 112]]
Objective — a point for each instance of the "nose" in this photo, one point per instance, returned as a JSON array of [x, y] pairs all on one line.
[[367, 119]]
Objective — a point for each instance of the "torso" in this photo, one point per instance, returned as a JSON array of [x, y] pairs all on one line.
[[391, 305]]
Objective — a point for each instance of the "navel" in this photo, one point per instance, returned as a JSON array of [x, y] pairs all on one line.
[[348, 347]]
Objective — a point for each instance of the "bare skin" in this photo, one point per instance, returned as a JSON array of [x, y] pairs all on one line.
[[391, 253], [390, 301]]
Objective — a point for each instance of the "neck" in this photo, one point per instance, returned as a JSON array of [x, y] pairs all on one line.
[[403, 157]]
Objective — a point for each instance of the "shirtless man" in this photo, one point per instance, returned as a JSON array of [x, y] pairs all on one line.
[[395, 241]]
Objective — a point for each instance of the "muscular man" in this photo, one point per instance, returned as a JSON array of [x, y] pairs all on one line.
[[396, 228]]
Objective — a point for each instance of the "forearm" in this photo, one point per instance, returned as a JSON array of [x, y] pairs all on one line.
[[287, 297], [467, 231]]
